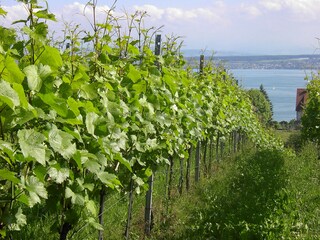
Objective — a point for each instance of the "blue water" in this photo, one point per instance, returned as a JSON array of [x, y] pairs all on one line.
[[281, 86]]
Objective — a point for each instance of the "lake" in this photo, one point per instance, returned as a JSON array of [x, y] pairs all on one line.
[[281, 86]]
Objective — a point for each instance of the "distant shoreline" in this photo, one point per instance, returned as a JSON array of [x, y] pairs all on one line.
[[300, 62]]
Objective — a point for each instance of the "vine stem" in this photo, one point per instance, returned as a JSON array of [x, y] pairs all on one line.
[[32, 42]]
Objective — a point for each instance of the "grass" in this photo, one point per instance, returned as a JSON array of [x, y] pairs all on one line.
[[259, 195], [255, 195], [284, 135]]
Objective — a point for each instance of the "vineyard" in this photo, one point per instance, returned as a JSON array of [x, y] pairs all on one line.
[[99, 115]]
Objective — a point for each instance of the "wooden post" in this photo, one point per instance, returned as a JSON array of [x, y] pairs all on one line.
[[205, 142], [235, 137], [230, 142], [157, 48], [210, 155], [197, 162], [127, 232], [197, 165], [148, 208], [171, 160], [221, 149], [217, 148], [201, 63], [188, 169], [180, 187]]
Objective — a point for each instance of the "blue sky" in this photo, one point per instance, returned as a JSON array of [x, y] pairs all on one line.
[[233, 26]]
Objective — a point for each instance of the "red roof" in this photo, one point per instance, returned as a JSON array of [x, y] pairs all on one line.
[[301, 100]]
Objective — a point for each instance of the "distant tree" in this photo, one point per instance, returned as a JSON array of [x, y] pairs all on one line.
[[262, 89], [275, 124], [261, 105], [311, 114]]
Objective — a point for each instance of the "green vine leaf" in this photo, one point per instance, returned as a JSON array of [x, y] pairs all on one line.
[[32, 145], [22, 96], [61, 142], [36, 190], [91, 207], [11, 71], [35, 75], [59, 175], [123, 161], [91, 120], [76, 198], [51, 57], [56, 103], [19, 220], [108, 179], [8, 175], [133, 74], [8, 95], [44, 14], [2, 12], [34, 80], [93, 222]]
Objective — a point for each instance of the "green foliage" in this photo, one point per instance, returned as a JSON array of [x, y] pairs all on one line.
[[74, 122], [295, 141], [311, 115], [263, 90], [261, 104]]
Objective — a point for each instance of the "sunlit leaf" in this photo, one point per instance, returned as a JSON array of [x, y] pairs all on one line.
[[91, 207], [36, 190], [61, 142], [34, 80], [91, 120], [22, 96], [32, 145], [51, 57], [59, 175], [19, 221], [133, 74], [8, 95], [2, 12], [44, 14], [107, 178]]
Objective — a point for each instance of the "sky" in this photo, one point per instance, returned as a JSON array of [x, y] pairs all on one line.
[[227, 27]]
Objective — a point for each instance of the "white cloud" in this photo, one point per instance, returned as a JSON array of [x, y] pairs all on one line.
[[180, 14], [173, 14], [273, 5], [153, 11], [15, 12], [308, 8], [77, 9], [251, 10], [301, 9], [72, 12]]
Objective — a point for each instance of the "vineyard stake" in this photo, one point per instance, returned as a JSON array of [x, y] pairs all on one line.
[[127, 232], [148, 208], [188, 169], [197, 167]]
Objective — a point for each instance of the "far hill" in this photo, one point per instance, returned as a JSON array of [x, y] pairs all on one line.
[[304, 62]]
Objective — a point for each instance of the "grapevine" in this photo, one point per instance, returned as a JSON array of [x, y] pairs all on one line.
[[75, 124]]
